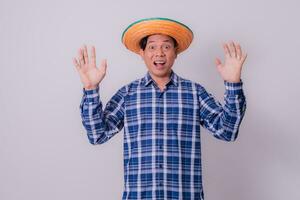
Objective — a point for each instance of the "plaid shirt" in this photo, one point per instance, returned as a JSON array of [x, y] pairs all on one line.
[[162, 156]]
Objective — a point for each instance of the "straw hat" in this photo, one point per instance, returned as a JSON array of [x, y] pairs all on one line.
[[133, 34]]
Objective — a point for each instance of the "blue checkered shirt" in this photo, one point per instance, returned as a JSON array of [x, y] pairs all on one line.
[[162, 156]]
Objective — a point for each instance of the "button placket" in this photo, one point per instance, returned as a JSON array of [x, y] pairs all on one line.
[[159, 144]]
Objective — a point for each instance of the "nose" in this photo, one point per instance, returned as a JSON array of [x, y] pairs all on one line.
[[159, 52]]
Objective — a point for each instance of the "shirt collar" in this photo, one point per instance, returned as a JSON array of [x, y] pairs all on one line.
[[174, 79]]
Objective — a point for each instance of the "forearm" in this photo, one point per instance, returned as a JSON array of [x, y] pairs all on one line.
[[97, 122], [233, 111], [224, 121]]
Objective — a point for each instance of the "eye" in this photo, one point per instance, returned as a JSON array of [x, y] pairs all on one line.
[[151, 47], [167, 47]]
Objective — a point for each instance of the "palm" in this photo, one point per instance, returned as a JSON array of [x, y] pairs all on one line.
[[89, 74], [234, 60]]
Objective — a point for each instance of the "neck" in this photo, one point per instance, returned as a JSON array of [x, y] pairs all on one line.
[[161, 81]]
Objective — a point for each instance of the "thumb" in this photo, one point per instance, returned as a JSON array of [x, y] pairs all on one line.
[[103, 65], [218, 61], [218, 64]]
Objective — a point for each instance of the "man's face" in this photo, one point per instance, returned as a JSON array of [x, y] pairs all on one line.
[[159, 55]]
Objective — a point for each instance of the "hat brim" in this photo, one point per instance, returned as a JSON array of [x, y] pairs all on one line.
[[136, 31]]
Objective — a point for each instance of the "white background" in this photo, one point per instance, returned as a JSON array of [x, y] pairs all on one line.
[[44, 151]]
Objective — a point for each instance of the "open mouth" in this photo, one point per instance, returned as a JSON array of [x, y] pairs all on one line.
[[159, 63]]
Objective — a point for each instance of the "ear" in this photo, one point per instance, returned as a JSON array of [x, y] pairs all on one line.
[[176, 50], [142, 53]]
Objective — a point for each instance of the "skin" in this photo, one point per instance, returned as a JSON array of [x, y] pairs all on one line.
[[90, 74], [159, 56], [159, 48]]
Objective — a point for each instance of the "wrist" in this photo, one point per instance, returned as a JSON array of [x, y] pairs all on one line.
[[233, 80], [90, 87], [234, 88]]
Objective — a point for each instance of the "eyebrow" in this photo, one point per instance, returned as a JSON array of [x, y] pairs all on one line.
[[163, 41]]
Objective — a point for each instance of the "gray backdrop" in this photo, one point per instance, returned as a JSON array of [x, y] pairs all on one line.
[[44, 151]]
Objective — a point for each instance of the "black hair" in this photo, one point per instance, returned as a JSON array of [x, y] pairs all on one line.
[[143, 42]]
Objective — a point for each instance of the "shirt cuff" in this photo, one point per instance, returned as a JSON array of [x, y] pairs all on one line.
[[91, 96], [234, 88]]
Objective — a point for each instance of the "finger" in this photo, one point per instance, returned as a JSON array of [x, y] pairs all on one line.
[[80, 57], [93, 56], [76, 64], [218, 62], [226, 50], [244, 56], [103, 65], [238, 51], [232, 49], [85, 55]]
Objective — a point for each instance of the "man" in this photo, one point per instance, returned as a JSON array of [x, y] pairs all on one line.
[[161, 113]]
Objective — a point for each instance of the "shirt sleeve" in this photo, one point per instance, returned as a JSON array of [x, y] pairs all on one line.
[[102, 124], [223, 121]]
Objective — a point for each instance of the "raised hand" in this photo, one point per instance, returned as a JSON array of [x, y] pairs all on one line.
[[234, 60], [89, 74]]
